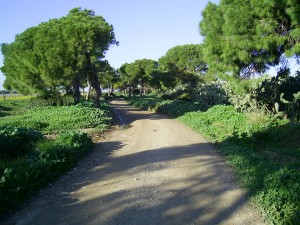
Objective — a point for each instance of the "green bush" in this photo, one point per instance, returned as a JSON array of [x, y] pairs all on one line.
[[13, 107], [51, 99], [21, 177], [173, 108], [281, 196], [16, 141], [60, 118], [177, 108], [268, 93], [145, 103], [219, 122], [210, 94]]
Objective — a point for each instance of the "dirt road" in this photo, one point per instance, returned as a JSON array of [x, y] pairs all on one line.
[[157, 171]]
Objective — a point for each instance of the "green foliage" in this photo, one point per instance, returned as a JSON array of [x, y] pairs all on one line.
[[13, 107], [177, 94], [247, 103], [55, 54], [210, 94], [218, 122], [177, 107], [173, 108], [16, 142], [149, 104], [60, 118], [242, 38], [185, 63], [269, 92], [293, 107], [140, 72], [183, 59], [51, 100], [281, 198], [21, 177]]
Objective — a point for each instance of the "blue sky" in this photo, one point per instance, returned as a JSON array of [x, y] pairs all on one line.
[[145, 29]]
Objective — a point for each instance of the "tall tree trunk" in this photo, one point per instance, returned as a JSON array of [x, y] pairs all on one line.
[[88, 94], [83, 91], [111, 88], [130, 91], [142, 88], [97, 92], [76, 91], [93, 79], [108, 93]]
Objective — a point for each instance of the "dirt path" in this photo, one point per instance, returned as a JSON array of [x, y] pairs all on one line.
[[157, 171]]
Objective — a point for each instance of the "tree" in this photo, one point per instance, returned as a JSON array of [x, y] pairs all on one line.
[[128, 81], [243, 38], [107, 76], [163, 81], [141, 70], [20, 64], [186, 64], [57, 53], [89, 37], [293, 11]]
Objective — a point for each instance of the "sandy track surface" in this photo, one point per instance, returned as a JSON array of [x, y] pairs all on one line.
[[156, 171]]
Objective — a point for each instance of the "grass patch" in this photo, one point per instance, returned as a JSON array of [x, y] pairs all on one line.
[[13, 107], [53, 119]]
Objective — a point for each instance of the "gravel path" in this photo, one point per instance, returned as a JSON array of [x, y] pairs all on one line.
[[156, 171]]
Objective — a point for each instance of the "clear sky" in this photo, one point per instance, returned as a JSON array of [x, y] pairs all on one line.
[[144, 28]]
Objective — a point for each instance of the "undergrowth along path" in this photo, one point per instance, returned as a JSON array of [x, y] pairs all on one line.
[[156, 171]]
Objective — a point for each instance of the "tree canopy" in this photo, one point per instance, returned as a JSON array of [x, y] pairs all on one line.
[[141, 70], [186, 63], [60, 53], [247, 37]]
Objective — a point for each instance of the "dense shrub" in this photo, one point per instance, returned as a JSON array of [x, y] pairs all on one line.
[[178, 94], [219, 122], [210, 94], [23, 176], [270, 90], [145, 103], [173, 108], [177, 107], [52, 99], [16, 141]]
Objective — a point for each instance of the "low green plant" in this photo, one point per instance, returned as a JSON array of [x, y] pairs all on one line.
[[219, 122], [13, 107], [60, 118], [47, 160], [16, 141]]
